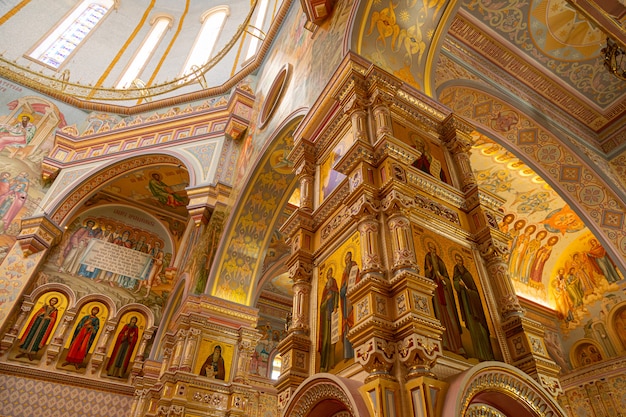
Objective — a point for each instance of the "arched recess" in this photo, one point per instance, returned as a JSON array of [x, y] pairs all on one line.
[[61, 210], [247, 235], [501, 387], [327, 395], [599, 205]]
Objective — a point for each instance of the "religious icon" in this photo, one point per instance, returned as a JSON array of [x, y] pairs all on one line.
[[19, 134], [338, 274], [164, 193], [81, 344], [40, 327], [124, 346], [445, 306], [213, 366], [472, 309], [328, 307]]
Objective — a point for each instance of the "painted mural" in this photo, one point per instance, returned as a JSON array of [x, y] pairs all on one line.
[[27, 127], [397, 36], [555, 33], [126, 342], [87, 329], [214, 360], [264, 352], [458, 300], [336, 275], [329, 178], [554, 259], [37, 333], [257, 215], [431, 159], [114, 250]]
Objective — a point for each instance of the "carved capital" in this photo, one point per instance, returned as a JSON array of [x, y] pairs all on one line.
[[419, 354], [376, 356], [301, 271], [38, 234]]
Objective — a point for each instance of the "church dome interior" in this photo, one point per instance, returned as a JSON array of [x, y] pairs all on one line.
[[317, 207]]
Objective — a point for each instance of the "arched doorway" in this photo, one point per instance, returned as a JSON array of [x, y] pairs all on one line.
[[498, 389], [327, 395]]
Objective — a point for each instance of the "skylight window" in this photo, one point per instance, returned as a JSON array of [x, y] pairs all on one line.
[[160, 24], [66, 37], [255, 31], [212, 24]]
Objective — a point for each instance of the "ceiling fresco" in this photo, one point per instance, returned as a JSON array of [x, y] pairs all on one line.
[[160, 190], [554, 35], [552, 48], [554, 259]]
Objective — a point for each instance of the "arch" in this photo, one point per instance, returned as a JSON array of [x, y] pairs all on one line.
[[500, 386], [42, 289], [586, 352], [139, 308], [85, 186], [566, 171], [104, 299], [247, 234], [327, 395], [617, 335], [277, 268]]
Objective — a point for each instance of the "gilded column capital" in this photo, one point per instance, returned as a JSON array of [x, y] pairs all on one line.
[[37, 234], [455, 126], [376, 355], [419, 354], [395, 202]]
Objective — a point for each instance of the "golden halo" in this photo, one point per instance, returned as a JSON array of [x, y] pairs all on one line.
[[22, 115]]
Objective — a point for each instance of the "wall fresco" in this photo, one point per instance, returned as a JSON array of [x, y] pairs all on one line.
[[339, 272], [143, 237], [458, 300]]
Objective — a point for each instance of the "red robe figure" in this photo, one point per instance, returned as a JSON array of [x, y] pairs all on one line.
[[83, 338], [39, 329], [123, 350]]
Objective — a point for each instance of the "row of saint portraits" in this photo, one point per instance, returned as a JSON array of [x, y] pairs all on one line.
[[458, 299], [579, 275], [86, 335], [80, 342]]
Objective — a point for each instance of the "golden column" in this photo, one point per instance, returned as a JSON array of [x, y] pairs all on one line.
[[295, 349]]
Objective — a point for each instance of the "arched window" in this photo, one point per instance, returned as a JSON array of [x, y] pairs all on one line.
[[255, 31], [58, 45], [160, 24], [212, 24], [277, 363]]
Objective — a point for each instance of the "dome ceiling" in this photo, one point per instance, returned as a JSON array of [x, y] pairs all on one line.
[[93, 70]]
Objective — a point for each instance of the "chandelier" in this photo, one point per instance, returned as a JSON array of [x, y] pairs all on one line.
[[615, 59]]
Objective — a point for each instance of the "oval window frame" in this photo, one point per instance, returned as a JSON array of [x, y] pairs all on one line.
[[274, 95]]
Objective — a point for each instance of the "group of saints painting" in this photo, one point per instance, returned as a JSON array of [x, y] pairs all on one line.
[[465, 316], [41, 325]]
